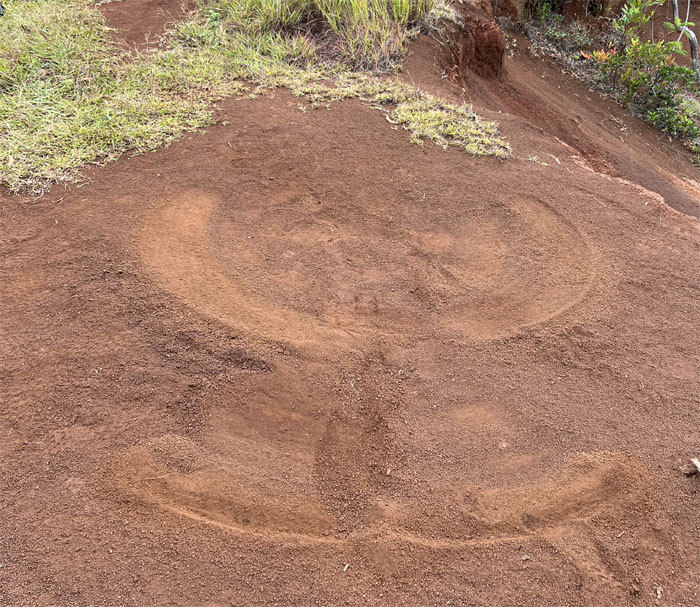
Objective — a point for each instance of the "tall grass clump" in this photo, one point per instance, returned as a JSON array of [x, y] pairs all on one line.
[[367, 34]]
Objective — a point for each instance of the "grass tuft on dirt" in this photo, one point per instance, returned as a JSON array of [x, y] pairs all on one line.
[[70, 96], [429, 118]]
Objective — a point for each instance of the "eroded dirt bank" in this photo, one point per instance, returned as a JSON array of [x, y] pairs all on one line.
[[299, 361]]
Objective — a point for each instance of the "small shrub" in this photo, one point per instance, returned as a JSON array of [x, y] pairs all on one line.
[[646, 72], [547, 29]]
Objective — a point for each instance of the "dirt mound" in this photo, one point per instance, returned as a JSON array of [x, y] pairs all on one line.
[[588, 487], [176, 475]]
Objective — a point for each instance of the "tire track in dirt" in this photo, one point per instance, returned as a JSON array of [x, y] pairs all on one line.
[[332, 277], [175, 476], [174, 246]]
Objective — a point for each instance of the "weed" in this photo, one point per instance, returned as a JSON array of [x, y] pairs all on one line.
[[548, 30], [429, 118], [646, 73], [639, 73]]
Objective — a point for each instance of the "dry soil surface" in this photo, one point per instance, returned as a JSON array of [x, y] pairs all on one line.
[[297, 360]]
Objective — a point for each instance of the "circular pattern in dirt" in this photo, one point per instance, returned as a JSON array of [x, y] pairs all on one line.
[[300, 270]]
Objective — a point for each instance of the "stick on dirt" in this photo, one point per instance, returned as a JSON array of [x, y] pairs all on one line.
[[692, 468]]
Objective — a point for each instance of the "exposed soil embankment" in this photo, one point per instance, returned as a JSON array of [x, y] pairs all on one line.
[[535, 91], [480, 46]]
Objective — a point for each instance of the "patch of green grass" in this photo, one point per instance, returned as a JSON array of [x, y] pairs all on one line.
[[69, 96], [422, 114]]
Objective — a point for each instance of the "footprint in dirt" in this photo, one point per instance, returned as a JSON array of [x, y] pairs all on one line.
[[357, 451]]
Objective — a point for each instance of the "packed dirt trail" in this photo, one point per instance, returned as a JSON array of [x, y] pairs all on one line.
[[297, 360]]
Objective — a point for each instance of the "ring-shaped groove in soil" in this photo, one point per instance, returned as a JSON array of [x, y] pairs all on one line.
[[299, 270]]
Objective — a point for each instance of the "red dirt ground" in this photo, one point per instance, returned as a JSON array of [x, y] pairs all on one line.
[[140, 23], [297, 360]]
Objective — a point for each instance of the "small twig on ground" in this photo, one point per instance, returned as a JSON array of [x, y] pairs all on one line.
[[692, 468], [436, 40]]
